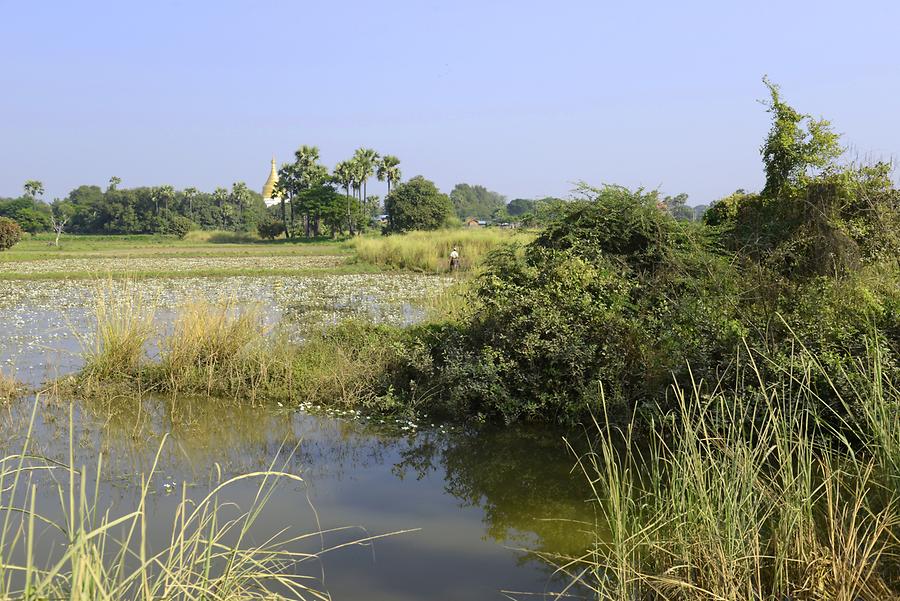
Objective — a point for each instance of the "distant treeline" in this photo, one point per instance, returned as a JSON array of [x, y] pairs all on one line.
[[477, 202], [146, 210]]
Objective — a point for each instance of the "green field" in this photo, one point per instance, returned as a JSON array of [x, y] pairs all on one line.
[[217, 254]]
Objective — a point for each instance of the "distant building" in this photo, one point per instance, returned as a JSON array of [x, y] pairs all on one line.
[[472, 222], [268, 191]]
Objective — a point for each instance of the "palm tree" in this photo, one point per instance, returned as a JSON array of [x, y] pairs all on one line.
[[33, 189], [343, 175], [389, 170], [284, 190], [240, 194], [220, 195], [366, 159], [189, 195], [167, 193], [114, 183]]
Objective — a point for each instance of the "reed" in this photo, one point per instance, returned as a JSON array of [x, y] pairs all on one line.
[[223, 350], [9, 387], [738, 500], [123, 329], [98, 555]]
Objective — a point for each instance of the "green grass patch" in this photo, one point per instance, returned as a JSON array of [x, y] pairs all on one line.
[[430, 251]]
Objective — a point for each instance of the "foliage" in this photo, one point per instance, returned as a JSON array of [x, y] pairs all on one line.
[[476, 202], [417, 205], [734, 501], [791, 151], [521, 206], [10, 233], [616, 293], [31, 214], [269, 228]]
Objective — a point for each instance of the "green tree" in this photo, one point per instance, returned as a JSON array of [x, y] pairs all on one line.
[[344, 175], [389, 170], [189, 194], [113, 183], [796, 145], [366, 161], [475, 201], [220, 197], [33, 189], [520, 206], [240, 198], [417, 205]]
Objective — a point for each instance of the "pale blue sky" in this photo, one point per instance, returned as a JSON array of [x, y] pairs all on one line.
[[522, 97]]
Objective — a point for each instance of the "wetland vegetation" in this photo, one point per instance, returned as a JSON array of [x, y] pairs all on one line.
[[728, 387]]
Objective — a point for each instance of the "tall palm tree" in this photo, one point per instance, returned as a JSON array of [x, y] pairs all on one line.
[[343, 175], [33, 189], [240, 195], [366, 160], [189, 195], [220, 195], [388, 170], [284, 191]]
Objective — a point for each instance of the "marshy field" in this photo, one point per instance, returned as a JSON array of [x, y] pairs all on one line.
[[147, 488]]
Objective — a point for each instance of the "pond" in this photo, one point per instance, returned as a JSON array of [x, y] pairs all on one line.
[[469, 503]]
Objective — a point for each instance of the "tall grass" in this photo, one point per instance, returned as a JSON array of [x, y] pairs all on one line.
[[430, 251], [738, 500], [78, 550], [9, 387], [223, 350], [123, 328]]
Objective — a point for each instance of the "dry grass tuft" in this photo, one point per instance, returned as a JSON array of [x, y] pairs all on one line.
[[9, 387]]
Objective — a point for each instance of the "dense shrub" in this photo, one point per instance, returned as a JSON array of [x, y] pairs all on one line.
[[616, 293], [178, 226], [417, 205], [269, 228], [10, 233]]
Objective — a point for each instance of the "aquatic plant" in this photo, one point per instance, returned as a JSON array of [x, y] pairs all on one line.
[[738, 499], [222, 349], [9, 387], [98, 554], [123, 326]]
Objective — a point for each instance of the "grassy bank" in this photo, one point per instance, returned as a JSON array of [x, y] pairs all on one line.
[[430, 251], [748, 500]]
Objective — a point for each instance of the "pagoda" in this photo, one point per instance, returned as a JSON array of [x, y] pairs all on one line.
[[268, 191]]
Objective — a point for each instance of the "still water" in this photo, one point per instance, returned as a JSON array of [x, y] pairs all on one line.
[[479, 499], [472, 503]]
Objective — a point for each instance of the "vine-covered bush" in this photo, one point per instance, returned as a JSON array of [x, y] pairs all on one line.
[[10, 233]]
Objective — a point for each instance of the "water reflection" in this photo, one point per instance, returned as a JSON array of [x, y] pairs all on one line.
[[475, 493]]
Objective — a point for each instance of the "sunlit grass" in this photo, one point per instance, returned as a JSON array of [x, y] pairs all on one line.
[[430, 251], [737, 500], [123, 327], [9, 387]]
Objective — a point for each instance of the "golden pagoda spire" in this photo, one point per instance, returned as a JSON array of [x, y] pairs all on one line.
[[269, 186]]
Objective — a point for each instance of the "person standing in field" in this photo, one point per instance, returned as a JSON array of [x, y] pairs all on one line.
[[454, 259]]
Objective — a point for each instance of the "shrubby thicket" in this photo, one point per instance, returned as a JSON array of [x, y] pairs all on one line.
[[10, 233], [617, 293]]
